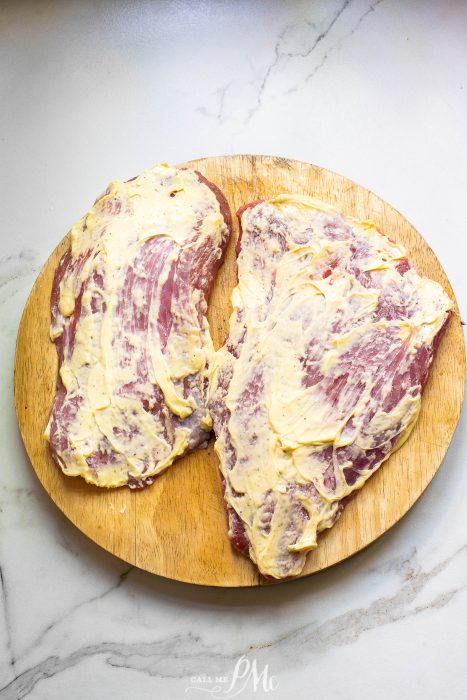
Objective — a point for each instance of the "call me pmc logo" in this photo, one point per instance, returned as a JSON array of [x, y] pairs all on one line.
[[245, 675]]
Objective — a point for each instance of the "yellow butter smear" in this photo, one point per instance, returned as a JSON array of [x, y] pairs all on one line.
[[306, 397], [117, 372]]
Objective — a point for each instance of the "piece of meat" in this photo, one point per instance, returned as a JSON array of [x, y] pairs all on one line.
[[128, 318], [331, 339]]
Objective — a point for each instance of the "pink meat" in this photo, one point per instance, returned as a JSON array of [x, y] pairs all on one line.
[[380, 354], [187, 268]]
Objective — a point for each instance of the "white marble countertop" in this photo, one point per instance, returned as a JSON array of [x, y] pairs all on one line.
[[93, 91]]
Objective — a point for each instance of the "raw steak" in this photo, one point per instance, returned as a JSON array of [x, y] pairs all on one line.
[[128, 319], [320, 379]]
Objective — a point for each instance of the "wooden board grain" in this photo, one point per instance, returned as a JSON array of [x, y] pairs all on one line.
[[177, 527]]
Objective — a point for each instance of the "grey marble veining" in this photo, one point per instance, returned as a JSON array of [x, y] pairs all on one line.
[[179, 655], [95, 91]]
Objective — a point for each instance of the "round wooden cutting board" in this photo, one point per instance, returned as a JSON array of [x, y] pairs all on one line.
[[177, 527]]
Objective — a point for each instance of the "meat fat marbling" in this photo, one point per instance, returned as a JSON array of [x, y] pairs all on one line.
[[320, 379], [128, 318]]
